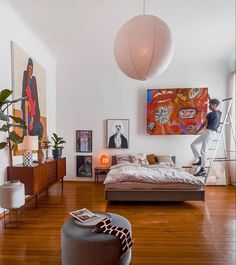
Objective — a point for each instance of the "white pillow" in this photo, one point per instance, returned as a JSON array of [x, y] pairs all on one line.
[[168, 164], [123, 158], [165, 159], [140, 159]]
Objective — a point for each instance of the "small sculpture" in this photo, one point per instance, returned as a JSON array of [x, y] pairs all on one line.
[[41, 155]]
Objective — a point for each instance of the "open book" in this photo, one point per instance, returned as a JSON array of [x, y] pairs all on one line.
[[84, 215]]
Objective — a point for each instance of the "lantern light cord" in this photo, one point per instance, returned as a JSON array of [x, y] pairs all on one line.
[[143, 7]]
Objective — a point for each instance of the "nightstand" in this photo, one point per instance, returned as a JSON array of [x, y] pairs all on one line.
[[100, 171]]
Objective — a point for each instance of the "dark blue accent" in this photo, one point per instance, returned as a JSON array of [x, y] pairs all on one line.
[[149, 96], [213, 120]]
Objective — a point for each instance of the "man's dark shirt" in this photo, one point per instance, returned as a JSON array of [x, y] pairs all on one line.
[[213, 120]]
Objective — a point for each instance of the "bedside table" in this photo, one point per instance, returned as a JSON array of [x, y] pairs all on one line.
[[100, 171]]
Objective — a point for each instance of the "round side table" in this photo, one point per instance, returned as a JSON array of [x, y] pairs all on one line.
[[81, 246]]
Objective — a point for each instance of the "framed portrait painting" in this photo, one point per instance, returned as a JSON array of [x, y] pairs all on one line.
[[84, 141], [84, 166], [29, 79], [118, 133]]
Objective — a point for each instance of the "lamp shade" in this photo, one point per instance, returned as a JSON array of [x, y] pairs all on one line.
[[103, 160], [143, 47], [29, 143]]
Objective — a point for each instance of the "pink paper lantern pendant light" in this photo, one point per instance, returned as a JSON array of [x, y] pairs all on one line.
[[143, 47]]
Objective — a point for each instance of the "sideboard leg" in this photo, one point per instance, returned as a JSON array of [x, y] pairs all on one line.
[[36, 201], [62, 184]]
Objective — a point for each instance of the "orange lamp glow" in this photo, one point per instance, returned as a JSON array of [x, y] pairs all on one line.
[[103, 160]]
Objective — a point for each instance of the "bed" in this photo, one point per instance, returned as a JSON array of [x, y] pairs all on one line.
[[126, 182]]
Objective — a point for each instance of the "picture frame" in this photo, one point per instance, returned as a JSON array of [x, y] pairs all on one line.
[[84, 166], [84, 141], [176, 111], [33, 110], [118, 133]]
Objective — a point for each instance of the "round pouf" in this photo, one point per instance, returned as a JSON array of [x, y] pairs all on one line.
[[81, 246]]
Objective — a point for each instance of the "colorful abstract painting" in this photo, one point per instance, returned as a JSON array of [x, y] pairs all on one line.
[[29, 79], [176, 111]]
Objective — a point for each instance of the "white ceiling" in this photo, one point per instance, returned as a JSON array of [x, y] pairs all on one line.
[[202, 29]]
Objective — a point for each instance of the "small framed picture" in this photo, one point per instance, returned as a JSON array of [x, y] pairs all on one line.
[[118, 133], [84, 166], [84, 141]]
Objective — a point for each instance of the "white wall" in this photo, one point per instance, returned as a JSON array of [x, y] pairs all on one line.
[[91, 89], [13, 28], [231, 92]]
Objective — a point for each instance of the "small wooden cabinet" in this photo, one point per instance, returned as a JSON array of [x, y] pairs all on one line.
[[38, 177]]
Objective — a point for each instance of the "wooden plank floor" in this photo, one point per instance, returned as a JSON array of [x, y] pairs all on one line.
[[165, 233]]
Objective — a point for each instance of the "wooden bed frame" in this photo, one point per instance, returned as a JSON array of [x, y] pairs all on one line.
[[153, 195]]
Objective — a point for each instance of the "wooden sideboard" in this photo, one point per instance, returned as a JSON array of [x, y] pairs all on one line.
[[38, 177]]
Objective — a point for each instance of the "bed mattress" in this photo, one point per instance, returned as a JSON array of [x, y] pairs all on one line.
[[152, 186], [130, 176]]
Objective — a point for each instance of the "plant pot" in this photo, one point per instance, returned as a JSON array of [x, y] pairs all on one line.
[[57, 153]]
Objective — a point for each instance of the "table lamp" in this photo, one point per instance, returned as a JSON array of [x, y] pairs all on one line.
[[29, 144], [103, 160]]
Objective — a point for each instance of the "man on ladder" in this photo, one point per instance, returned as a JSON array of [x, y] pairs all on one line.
[[211, 123]]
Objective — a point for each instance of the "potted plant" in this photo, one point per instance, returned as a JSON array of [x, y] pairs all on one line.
[[57, 146], [10, 122]]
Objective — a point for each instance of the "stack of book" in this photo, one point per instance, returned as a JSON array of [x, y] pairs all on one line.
[[84, 215]]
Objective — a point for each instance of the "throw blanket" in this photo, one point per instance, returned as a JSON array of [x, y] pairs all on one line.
[[122, 233], [158, 173]]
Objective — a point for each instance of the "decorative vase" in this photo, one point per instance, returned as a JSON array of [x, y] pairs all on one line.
[[57, 153], [41, 156]]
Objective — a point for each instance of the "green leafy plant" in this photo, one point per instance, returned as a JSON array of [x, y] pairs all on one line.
[[57, 142], [10, 122]]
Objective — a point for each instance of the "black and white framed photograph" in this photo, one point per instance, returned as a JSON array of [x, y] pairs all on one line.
[[84, 141], [84, 166], [118, 133]]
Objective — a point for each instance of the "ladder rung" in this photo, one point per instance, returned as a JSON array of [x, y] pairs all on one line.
[[227, 99], [211, 149], [227, 123], [218, 160]]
